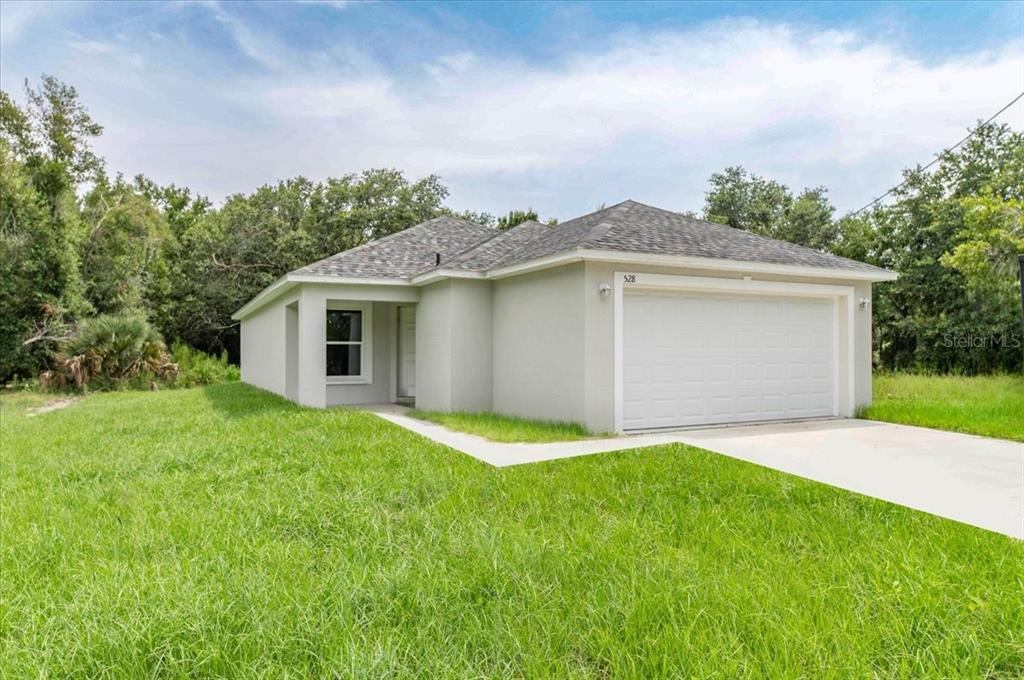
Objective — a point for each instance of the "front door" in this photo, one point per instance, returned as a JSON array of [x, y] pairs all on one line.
[[406, 351]]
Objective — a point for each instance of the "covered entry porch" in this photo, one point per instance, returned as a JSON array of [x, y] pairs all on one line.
[[350, 345]]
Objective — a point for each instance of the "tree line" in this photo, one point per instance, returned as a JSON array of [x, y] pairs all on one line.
[[76, 243]]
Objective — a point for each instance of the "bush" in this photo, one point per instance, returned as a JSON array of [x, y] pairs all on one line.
[[198, 368], [110, 350]]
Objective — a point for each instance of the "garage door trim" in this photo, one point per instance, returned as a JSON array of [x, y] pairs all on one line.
[[843, 295]]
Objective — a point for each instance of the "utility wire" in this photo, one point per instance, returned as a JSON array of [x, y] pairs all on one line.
[[939, 155]]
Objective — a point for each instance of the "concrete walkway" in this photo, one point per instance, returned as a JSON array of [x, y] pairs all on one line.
[[501, 454], [975, 480]]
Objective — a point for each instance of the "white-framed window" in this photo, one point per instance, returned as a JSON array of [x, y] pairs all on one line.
[[348, 344]]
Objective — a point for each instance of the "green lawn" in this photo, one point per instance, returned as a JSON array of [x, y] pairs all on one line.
[[505, 428], [992, 406], [225, 532]]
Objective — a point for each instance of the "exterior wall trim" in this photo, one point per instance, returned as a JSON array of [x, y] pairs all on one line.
[[688, 262]]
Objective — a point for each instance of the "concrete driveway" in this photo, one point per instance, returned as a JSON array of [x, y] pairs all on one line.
[[976, 480]]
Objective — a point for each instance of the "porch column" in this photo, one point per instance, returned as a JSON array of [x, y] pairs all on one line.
[[312, 354]]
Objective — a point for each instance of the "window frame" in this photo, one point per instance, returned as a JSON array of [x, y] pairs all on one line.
[[365, 376]]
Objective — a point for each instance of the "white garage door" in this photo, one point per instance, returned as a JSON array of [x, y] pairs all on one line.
[[697, 358]]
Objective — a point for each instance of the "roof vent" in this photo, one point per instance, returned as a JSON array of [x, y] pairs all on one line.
[[437, 259]]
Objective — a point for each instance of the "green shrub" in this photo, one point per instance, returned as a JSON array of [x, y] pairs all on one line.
[[198, 368], [108, 351]]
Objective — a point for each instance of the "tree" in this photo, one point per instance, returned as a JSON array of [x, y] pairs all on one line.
[[950, 233], [516, 217], [123, 255], [763, 206], [58, 127], [15, 128], [991, 238], [41, 293], [808, 221], [229, 255], [483, 218], [745, 201]]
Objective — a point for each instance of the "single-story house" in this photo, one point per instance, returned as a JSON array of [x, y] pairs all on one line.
[[628, 318]]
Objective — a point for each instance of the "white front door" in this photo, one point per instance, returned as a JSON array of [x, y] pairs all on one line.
[[407, 351], [700, 358]]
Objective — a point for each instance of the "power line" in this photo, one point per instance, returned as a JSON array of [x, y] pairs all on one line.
[[939, 155]]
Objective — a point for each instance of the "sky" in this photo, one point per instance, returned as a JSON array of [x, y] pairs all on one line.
[[561, 107]]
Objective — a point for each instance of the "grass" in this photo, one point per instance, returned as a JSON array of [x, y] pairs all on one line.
[[505, 428], [224, 532], [992, 406]]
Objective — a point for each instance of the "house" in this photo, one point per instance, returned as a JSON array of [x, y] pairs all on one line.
[[628, 318]]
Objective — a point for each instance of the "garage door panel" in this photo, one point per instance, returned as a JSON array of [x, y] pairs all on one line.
[[691, 359]]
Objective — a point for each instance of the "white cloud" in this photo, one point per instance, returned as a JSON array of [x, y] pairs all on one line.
[[256, 46], [809, 108], [15, 17], [649, 117]]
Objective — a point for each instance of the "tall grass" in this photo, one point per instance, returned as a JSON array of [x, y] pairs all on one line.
[[505, 428], [197, 368], [991, 406], [225, 532]]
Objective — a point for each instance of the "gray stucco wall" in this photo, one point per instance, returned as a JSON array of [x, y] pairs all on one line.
[[262, 348], [863, 347], [471, 345], [539, 351], [599, 379], [433, 347], [453, 346]]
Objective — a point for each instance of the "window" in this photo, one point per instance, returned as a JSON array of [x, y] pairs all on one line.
[[347, 353]]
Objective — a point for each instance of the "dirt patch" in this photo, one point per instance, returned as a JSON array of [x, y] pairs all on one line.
[[55, 405]]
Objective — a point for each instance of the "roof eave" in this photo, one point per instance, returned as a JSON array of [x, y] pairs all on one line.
[[690, 262], [268, 294], [291, 280]]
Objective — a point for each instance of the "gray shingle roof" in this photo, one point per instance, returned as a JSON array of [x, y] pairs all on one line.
[[405, 253], [637, 228], [629, 227], [497, 249]]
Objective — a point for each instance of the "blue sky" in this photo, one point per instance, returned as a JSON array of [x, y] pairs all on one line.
[[557, 106]]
